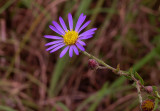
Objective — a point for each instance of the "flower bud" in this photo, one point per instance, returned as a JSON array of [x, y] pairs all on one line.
[[147, 105], [92, 64], [149, 89]]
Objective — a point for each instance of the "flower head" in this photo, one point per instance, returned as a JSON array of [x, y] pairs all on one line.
[[70, 38], [147, 105], [149, 89], [93, 64]]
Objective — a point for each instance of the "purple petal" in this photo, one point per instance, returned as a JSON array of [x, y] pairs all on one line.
[[52, 37], [70, 20], [81, 42], [63, 23], [88, 32], [58, 27], [75, 50], [54, 42], [84, 26], [80, 21], [85, 37], [71, 51], [80, 47], [52, 47], [55, 49], [55, 30], [64, 52]]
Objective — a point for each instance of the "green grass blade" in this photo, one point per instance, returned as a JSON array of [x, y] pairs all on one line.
[[101, 10], [6, 108], [146, 59], [103, 92], [156, 104], [69, 3], [90, 98], [95, 13], [100, 95], [5, 6], [83, 7], [61, 63], [64, 107]]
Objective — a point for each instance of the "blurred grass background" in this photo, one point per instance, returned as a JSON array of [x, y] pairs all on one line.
[[31, 79]]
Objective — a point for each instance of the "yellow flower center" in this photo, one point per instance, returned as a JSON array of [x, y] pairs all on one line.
[[70, 37]]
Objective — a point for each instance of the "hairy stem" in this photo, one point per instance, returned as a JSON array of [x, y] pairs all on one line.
[[119, 72]]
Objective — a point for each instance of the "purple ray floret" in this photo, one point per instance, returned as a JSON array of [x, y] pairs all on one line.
[[81, 42], [58, 27], [52, 37], [63, 23], [55, 30], [88, 32], [79, 22], [71, 51], [86, 37], [64, 51], [54, 42], [70, 20], [80, 46], [52, 47], [84, 26], [75, 50]]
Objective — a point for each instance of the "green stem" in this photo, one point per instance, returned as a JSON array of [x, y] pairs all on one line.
[[98, 60], [119, 72]]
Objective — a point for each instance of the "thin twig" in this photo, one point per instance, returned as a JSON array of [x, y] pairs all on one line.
[[119, 72], [138, 90]]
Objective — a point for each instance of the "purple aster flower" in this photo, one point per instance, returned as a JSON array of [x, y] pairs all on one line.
[[71, 39]]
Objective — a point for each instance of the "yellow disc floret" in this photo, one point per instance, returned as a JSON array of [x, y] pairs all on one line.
[[70, 37], [148, 105]]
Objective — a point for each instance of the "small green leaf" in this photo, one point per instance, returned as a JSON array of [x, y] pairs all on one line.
[[151, 97], [139, 77], [154, 88], [128, 77], [131, 72], [118, 67]]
